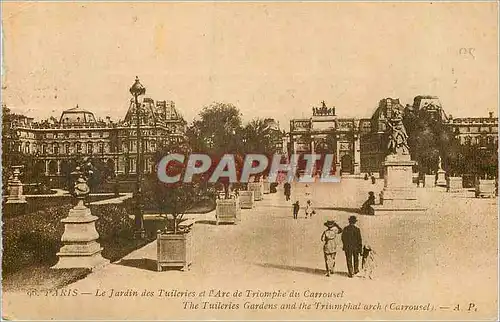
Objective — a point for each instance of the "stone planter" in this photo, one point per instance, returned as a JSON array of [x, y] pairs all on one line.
[[228, 211], [246, 200], [258, 190], [485, 188], [174, 250], [454, 184], [430, 180], [266, 187]]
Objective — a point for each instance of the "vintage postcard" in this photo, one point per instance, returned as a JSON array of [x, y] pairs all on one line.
[[250, 161]]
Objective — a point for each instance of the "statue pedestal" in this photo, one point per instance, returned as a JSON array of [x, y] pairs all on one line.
[[15, 195], [441, 178], [80, 249], [15, 187], [399, 195]]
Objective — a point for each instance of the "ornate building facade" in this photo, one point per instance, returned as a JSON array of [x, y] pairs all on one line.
[[360, 145], [77, 133]]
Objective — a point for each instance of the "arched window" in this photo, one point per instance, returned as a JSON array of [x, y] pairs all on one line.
[[56, 148]]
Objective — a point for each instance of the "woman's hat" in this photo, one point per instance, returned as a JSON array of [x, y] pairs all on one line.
[[353, 219], [330, 223]]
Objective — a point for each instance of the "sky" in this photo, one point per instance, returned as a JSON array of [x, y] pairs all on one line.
[[269, 59]]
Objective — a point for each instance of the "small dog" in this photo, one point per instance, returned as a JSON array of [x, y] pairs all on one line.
[[368, 262]]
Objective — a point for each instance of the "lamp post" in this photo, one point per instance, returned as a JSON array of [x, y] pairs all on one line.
[[136, 90]]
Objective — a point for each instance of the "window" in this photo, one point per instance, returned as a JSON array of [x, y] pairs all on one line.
[[66, 148], [56, 148], [78, 148], [89, 134], [44, 149], [90, 148], [132, 165], [101, 147]]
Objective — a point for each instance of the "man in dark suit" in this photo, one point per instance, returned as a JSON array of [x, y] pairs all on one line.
[[296, 208], [287, 188], [351, 239]]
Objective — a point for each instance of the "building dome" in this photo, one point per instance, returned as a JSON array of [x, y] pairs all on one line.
[[77, 115]]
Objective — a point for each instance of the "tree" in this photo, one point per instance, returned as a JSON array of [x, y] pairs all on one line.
[[428, 139], [174, 198], [217, 131], [260, 136]]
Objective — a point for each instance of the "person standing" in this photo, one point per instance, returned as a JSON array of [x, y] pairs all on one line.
[[309, 209], [331, 241], [296, 208], [352, 245], [287, 187]]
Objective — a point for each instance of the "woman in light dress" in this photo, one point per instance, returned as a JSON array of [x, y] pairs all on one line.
[[309, 209], [331, 243]]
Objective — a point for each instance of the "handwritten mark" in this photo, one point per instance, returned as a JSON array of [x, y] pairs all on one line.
[[467, 51]]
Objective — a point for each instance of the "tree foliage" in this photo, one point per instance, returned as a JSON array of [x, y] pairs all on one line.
[[177, 198], [217, 131], [429, 138]]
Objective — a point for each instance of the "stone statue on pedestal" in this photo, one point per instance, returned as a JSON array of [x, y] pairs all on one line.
[[398, 138], [441, 175], [399, 194]]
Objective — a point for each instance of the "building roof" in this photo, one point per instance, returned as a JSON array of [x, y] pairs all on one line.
[[77, 115]]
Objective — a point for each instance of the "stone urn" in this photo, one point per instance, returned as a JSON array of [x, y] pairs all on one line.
[[485, 188], [228, 210], [80, 247], [15, 187], [454, 184], [258, 190], [246, 199]]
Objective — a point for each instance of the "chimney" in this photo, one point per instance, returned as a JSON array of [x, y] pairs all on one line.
[[491, 115]]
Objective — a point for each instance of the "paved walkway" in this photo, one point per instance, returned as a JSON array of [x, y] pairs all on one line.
[[445, 257], [115, 200]]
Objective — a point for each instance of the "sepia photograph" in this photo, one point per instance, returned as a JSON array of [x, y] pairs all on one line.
[[262, 160]]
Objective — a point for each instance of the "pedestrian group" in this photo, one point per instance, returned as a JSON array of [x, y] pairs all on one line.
[[347, 239]]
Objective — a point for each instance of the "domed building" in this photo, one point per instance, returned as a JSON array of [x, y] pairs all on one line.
[[79, 134], [77, 116]]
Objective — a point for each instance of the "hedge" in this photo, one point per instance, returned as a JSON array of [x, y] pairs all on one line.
[[34, 239]]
